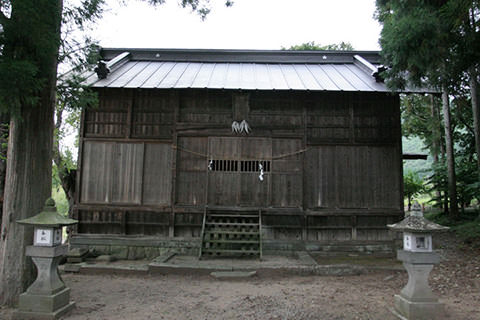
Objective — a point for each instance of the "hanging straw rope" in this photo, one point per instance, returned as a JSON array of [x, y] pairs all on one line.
[[286, 155]]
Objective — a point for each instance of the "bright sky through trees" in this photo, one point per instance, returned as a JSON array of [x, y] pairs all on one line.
[[248, 24]]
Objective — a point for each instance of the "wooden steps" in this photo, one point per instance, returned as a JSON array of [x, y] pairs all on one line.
[[228, 233]]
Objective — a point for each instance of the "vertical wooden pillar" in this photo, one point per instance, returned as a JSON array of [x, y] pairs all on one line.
[[350, 97], [175, 101], [304, 173], [79, 160], [128, 126]]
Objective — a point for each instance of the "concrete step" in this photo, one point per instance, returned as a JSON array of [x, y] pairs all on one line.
[[207, 250], [233, 274]]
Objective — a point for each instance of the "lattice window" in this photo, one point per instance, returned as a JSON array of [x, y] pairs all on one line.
[[223, 165], [239, 165], [254, 166]]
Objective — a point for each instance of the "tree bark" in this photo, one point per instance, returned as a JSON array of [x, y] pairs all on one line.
[[452, 180], [476, 114], [29, 159], [4, 125], [436, 140]]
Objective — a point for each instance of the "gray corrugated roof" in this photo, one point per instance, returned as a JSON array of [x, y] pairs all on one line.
[[235, 69], [247, 76]]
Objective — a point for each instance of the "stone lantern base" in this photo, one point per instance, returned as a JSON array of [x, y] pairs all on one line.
[[411, 310], [416, 301], [47, 298]]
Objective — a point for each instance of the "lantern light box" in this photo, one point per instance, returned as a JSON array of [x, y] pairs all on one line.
[[417, 242], [47, 237]]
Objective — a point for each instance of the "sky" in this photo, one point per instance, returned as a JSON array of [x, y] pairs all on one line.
[[248, 24]]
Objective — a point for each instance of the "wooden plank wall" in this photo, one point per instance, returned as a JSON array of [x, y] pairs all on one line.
[[335, 162]]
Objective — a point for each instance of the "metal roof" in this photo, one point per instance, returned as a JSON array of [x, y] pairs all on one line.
[[240, 69]]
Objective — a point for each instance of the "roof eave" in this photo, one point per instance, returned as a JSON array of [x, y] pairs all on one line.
[[240, 56]]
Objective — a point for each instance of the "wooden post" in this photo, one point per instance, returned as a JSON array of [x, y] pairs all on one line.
[[175, 100]]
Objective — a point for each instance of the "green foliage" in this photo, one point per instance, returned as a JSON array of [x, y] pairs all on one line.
[[312, 46], [418, 120], [467, 226], [201, 7], [413, 185], [468, 186], [19, 85], [27, 48], [80, 15], [469, 232], [414, 40], [429, 42], [438, 181], [60, 201]]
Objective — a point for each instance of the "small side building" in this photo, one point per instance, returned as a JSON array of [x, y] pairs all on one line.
[[310, 141]]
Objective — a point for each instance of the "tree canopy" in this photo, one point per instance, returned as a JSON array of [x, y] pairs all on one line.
[[317, 47], [434, 43]]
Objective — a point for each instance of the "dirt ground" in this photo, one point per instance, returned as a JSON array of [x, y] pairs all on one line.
[[369, 296]]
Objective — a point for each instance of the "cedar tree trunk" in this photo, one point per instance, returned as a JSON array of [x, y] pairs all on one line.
[[436, 139], [4, 125], [29, 159], [452, 180], [476, 114]]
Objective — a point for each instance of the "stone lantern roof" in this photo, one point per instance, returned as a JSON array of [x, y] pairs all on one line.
[[415, 222], [49, 217]]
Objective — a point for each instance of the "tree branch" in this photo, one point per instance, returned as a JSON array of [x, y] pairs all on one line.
[[3, 19]]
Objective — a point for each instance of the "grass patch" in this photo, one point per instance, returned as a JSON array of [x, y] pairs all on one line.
[[466, 227], [469, 232]]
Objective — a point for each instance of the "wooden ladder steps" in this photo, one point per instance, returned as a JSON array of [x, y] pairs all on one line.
[[241, 251], [233, 224], [231, 233]]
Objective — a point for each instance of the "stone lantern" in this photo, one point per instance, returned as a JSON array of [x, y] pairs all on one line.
[[47, 297], [416, 300]]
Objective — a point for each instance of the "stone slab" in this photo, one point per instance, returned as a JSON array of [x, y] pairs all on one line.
[[233, 274], [106, 258], [77, 252], [44, 303], [136, 253], [418, 310], [29, 315], [119, 252], [306, 259], [68, 267], [164, 257], [75, 259]]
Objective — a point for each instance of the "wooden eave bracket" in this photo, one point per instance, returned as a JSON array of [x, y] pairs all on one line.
[[414, 156], [104, 68], [369, 68]]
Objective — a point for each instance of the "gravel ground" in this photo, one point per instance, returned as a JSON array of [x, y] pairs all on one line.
[[370, 296]]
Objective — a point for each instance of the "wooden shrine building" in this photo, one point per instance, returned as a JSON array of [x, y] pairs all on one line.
[[282, 150]]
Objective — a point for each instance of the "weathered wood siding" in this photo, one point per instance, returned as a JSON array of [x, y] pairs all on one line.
[[191, 171], [353, 177], [126, 173], [151, 160]]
